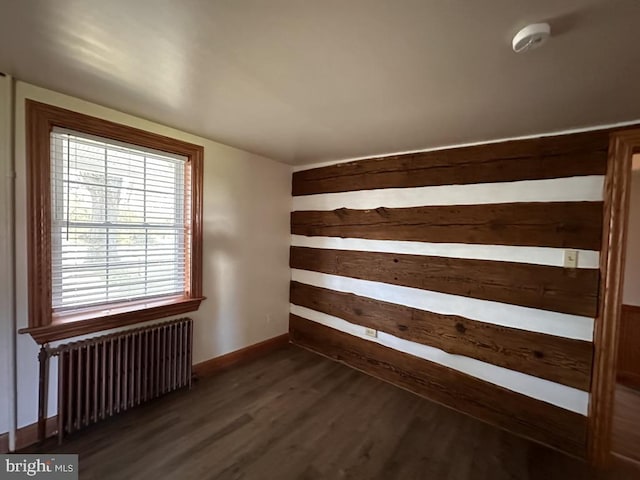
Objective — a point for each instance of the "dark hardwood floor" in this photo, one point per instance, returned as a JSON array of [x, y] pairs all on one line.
[[296, 415], [626, 423]]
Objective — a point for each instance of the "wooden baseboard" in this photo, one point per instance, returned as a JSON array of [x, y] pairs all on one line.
[[218, 364], [27, 436], [627, 460], [536, 420]]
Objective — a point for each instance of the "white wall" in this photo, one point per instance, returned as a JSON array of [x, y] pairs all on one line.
[[631, 294], [6, 320], [246, 246]]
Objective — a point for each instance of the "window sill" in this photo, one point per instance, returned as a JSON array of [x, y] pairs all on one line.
[[96, 320]]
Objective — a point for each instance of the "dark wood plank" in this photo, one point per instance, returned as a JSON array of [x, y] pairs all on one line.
[[428, 464], [557, 289], [532, 159], [626, 423], [294, 415], [553, 224], [629, 347], [558, 359], [539, 421]]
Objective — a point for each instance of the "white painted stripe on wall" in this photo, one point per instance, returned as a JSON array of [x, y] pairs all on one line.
[[524, 318], [571, 189], [502, 253], [557, 394]]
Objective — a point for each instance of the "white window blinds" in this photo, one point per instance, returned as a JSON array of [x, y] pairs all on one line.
[[119, 214]]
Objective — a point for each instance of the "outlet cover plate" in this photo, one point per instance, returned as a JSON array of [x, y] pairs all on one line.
[[570, 259]]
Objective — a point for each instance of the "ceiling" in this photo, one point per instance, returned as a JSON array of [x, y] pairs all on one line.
[[308, 81]]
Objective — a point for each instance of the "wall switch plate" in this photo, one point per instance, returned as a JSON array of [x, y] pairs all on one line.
[[370, 332], [570, 259]]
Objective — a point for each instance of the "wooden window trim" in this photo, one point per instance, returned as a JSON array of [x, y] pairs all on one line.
[[44, 326]]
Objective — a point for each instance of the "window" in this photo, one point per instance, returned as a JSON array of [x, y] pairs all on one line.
[[117, 222], [122, 209]]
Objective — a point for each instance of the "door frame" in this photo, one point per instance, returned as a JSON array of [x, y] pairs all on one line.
[[622, 146]]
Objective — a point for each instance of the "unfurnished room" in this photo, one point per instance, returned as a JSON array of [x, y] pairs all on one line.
[[304, 239]]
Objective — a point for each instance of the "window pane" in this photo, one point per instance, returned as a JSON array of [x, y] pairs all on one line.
[[118, 222]]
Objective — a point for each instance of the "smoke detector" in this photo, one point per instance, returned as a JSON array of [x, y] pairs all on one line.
[[531, 37]]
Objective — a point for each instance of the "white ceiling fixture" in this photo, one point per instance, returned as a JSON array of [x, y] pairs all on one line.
[[305, 82], [531, 37]]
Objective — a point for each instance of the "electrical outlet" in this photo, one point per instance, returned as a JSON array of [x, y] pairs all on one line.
[[370, 332], [570, 259]]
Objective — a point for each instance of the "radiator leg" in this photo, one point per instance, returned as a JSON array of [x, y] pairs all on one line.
[[43, 392], [190, 353], [61, 395]]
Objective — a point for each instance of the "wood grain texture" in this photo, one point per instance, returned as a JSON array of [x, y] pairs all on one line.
[[38, 167], [558, 359], [223, 362], [553, 224], [626, 423], [194, 200], [531, 159], [40, 120], [28, 435], [517, 413], [114, 319], [629, 347], [544, 287], [607, 325], [294, 415]]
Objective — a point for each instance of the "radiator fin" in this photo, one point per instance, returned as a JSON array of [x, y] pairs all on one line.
[[106, 375]]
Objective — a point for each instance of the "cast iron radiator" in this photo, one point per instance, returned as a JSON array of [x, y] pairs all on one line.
[[102, 376]]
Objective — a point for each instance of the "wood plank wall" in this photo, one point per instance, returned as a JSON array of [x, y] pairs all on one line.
[[456, 259], [629, 348]]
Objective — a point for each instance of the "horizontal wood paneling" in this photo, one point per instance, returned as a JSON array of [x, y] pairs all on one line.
[[504, 314], [456, 258], [538, 158], [557, 359], [502, 253], [562, 396], [554, 224], [572, 291], [588, 188], [518, 413], [629, 347]]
